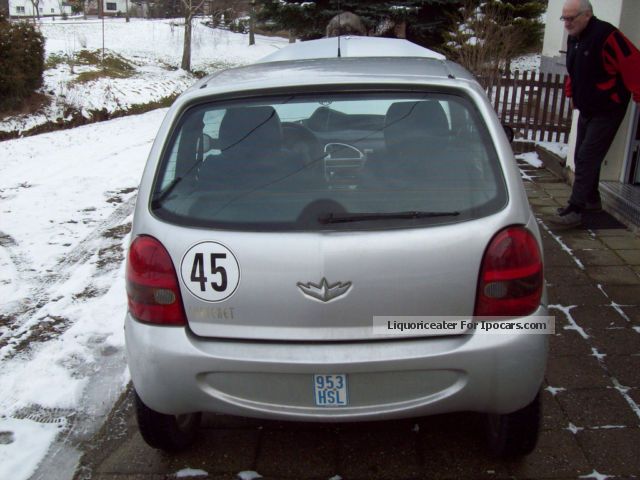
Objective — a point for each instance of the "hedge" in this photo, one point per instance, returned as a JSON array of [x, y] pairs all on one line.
[[21, 62]]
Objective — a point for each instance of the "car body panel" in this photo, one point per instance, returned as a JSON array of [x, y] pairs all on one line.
[[255, 352], [177, 372], [403, 272], [351, 46]]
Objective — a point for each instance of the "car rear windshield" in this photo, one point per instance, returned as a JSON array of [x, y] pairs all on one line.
[[367, 160]]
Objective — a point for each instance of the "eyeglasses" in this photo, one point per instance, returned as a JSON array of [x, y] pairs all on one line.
[[571, 18]]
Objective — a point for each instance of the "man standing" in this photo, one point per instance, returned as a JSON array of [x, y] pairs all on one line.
[[604, 71]]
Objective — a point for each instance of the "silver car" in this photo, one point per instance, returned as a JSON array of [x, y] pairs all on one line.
[[317, 238]]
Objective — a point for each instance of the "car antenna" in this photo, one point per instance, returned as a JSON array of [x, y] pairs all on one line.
[[448, 69], [339, 29]]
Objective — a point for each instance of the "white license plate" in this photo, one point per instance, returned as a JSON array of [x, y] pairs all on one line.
[[330, 390]]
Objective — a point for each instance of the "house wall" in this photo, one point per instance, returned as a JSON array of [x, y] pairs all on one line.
[[613, 168], [555, 39], [46, 7], [118, 7]]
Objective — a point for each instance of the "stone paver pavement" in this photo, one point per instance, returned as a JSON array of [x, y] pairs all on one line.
[[591, 417]]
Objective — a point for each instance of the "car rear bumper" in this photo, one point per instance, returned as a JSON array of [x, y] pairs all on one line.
[[176, 372]]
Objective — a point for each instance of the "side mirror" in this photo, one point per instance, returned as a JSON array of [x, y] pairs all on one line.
[[509, 131]]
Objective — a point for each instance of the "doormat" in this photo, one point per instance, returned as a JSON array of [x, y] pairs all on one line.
[[600, 221]]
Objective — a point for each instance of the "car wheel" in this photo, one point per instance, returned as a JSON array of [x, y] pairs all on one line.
[[514, 434], [166, 432]]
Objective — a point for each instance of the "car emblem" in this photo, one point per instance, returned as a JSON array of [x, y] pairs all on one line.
[[324, 292]]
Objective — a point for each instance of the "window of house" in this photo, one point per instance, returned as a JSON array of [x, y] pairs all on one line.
[[19, 9], [112, 6]]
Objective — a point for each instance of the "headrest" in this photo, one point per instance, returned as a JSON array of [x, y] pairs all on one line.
[[255, 128], [408, 122]]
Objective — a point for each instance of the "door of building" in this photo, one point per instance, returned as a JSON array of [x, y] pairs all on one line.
[[633, 162]]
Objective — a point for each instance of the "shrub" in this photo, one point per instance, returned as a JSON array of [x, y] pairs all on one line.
[[21, 62]]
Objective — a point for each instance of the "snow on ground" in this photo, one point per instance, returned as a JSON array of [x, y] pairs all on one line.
[[560, 149], [155, 49], [532, 161], [66, 200], [526, 63], [531, 158]]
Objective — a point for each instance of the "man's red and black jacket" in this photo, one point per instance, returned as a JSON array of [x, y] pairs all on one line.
[[604, 69]]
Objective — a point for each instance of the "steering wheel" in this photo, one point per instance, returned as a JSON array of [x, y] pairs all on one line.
[[343, 151]]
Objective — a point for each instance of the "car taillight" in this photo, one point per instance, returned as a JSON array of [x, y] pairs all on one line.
[[152, 284], [511, 277]]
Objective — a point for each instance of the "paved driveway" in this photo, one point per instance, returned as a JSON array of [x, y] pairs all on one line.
[[591, 424]]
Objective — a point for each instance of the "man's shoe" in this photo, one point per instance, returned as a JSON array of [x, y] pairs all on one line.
[[566, 219], [589, 207]]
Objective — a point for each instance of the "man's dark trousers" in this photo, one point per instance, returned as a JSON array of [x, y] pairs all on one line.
[[595, 136]]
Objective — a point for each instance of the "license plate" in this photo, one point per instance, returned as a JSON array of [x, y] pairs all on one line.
[[330, 390]]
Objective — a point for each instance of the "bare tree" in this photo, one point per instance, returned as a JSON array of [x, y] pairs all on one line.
[[481, 43], [252, 23], [191, 7], [63, 14], [36, 9]]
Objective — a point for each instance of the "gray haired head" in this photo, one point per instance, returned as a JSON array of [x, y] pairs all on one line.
[[346, 23], [585, 6]]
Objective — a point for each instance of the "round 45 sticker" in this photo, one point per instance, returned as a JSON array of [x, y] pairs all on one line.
[[210, 271]]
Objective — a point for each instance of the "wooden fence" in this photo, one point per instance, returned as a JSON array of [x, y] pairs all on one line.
[[533, 104]]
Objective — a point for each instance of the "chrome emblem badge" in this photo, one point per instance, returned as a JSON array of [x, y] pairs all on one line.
[[324, 291]]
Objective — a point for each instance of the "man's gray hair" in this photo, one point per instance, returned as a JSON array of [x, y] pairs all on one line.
[[585, 6], [346, 23]]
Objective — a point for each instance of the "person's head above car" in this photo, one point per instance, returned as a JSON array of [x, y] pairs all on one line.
[[576, 15]]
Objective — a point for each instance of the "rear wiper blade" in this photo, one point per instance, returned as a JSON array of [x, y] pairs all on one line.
[[363, 217], [156, 201]]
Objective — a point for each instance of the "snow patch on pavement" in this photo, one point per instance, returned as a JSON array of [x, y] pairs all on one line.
[[249, 475], [572, 323], [531, 158], [557, 148], [555, 390], [191, 472]]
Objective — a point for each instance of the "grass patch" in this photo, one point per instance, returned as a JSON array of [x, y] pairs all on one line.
[[113, 66], [74, 118], [55, 59]]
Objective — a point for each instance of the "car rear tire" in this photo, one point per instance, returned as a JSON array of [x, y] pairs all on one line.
[[514, 434], [171, 433]]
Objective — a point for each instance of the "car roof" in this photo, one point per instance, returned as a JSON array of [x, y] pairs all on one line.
[[363, 60], [351, 47]]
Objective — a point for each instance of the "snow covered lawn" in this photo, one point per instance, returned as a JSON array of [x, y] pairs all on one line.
[[153, 47], [66, 200]]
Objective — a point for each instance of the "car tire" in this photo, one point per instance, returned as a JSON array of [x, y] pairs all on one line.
[[171, 433], [514, 434]]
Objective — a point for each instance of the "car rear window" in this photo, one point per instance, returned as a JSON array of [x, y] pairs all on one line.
[[351, 161]]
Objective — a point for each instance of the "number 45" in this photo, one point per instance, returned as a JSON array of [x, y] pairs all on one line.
[[198, 276]]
